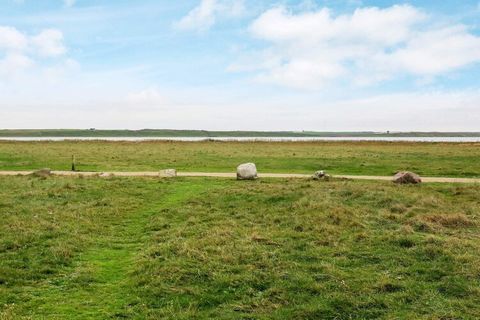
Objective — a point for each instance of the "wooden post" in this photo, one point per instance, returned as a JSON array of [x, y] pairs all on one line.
[[73, 162]]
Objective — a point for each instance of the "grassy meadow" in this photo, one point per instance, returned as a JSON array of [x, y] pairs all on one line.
[[204, 248], [199, 248], [360, 158]]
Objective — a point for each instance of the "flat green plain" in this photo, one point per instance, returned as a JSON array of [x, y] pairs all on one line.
[[358, 158], [200, 248], [205, 248]]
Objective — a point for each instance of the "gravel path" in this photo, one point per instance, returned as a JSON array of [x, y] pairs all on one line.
[[233, 175]]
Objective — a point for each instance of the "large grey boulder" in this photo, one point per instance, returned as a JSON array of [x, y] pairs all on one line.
[[247, 171], [407, 177]]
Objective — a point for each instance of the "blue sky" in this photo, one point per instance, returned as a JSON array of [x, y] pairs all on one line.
[[247, 65]]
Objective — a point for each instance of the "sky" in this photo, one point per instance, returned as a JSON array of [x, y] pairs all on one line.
[[321, 65]]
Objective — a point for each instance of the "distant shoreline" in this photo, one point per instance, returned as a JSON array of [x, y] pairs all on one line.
[[166, 133], [248, 139]]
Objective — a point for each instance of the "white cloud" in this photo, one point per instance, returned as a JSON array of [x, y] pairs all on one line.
[[438, 51], [19, 51], [311, 49], [12, 39], [69, 3], [66, 3], [13, 63], [372, 25], [201, 17], [206, 14], [49, 43]]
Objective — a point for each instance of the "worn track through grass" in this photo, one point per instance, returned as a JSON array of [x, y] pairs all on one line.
[[97, 283]]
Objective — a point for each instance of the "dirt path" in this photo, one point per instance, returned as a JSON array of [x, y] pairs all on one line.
[[233, 175], [305, 176]]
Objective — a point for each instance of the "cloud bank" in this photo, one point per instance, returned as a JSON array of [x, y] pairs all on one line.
[[312, 49]]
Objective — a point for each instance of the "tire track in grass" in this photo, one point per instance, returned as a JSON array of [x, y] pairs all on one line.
[[98, 285]]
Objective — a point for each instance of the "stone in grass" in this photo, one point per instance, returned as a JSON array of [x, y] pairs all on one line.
[[168, 173], [407, 177], [321, 175], [105, 175], [247, 171], [42, 173]]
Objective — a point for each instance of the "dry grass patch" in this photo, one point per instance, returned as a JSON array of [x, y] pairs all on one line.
[[456, 220]]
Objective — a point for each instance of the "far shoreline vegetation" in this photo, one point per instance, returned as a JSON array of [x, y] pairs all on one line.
[[34, 133]]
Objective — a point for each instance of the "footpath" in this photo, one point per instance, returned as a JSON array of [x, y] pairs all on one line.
[[233, 175]]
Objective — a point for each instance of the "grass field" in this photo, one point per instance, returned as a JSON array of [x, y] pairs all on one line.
[[360, 158], [198, 248]]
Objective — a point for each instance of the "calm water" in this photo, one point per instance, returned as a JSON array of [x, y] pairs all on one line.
[[409, 139]]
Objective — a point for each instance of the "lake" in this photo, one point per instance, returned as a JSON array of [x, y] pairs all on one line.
[[247, 139]]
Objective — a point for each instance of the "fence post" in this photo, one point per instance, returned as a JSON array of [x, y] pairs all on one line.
[[73, 162]]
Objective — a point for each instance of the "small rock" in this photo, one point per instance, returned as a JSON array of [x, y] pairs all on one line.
[[42, 173], [168, 173], [321, 175], [247, 171], [407, 177]]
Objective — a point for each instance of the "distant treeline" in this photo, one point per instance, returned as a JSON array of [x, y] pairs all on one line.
[[203, 133]]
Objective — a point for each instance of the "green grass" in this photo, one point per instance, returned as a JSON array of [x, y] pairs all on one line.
[[137, 248], [360, 158]]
